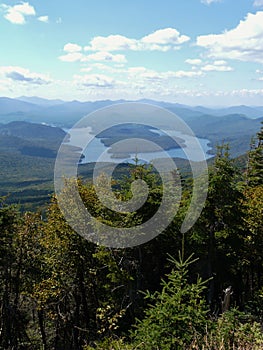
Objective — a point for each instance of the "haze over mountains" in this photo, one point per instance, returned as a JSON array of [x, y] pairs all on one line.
[[60, 112], [234, 125], [28, 148]]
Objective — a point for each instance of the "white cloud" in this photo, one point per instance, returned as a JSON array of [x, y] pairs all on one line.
[[73, 54], [208, 2], [43, 19], [111, 43], [72, 48], [72, 57], [94, 81], [220, 63], [17, 14], [194, 61], [22, 75], [118, 82], [105, 56], [149, 74], [160, 40], [163, 39], [258, 3], [187, 74], [244, 43], [216, 68], [98, 66]]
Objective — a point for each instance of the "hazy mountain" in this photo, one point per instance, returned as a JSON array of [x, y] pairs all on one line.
[[14, 106], [40, 101], [54, 112], [234, 125], [250, 112], [66, 113]]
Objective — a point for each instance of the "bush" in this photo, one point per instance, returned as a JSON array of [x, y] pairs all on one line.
[[238, 330]]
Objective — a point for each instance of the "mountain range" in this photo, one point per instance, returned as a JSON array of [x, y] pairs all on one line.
[[66, 113], [234, 125], [29, 141]]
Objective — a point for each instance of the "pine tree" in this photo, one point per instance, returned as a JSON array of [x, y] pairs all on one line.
[[177, 314], [255, 161], [217, 236]]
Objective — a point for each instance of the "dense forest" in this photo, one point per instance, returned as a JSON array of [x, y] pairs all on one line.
[[198, 290]]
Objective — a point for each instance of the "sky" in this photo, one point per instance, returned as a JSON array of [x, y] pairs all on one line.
[[194, 52]]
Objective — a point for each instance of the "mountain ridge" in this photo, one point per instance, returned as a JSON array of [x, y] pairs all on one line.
[[30, 105]]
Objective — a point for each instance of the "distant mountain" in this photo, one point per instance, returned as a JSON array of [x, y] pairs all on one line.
[[53, 112], [259, 108], [250, 112], [64, 113], [40, 101], [10, 106], [234, 125]]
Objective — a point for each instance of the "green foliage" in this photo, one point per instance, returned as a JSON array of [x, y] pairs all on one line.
[[237, 330], [177, 314], [254, 174], [60, 291]]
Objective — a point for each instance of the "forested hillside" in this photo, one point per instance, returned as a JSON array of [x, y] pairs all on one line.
[[198, 290]]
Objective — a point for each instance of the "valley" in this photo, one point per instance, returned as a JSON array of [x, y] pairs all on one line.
[[32, 129]]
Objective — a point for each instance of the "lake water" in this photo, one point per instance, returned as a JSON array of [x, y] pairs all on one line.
[[96, 151]]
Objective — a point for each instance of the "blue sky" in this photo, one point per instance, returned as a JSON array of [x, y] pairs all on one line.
[[197, 52]]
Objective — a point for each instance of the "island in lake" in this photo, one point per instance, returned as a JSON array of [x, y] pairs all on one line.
[[128, 132]]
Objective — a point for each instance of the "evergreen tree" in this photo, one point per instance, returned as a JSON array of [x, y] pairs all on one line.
[[177, 314], [217, 236], [255, 161]]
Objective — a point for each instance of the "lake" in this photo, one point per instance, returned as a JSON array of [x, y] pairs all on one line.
[[96, 151]]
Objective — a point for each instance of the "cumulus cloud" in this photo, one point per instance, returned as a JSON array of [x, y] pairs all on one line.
[[220, 63], [17, 14], [100, 48], [94, 81], [72, 48], [72, 57], [194, 61], [111, 43], [22, 75], [149, 74], [43, 19], [131, 80], [74, 54], [244, 43], [160, 40], [163, 39], [216, 68]]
